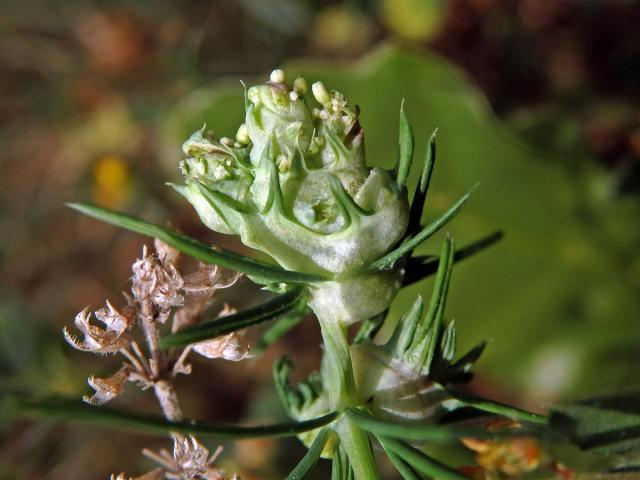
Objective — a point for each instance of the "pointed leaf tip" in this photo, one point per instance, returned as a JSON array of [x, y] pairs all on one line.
[[389, 260], [405, 148]]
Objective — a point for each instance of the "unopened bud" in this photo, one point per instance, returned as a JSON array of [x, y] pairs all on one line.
[[320, 93], [277, 76], [300, 85], [243, 135]]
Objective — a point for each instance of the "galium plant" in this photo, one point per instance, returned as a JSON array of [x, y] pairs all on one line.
[[294, 185]]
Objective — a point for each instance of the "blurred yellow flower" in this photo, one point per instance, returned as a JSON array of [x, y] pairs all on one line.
[[111, 181]]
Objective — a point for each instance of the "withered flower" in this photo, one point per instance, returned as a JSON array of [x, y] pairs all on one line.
[[190, 460], [113, 337], [107, 388], [209, 278], [156, 281], [229, 347], [156, 474]]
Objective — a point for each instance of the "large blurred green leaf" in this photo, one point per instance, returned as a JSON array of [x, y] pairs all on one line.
[[559, 295], [607, 425]]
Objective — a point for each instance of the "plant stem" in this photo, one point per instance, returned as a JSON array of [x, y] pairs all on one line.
[[162, 387], [168, 400], [357, 445], [341, 388], [340, 382]]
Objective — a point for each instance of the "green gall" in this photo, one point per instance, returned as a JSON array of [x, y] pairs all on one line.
[[299, 190]]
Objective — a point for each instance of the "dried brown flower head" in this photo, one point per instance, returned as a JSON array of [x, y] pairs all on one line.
[[107, 388], [156, 281], [229, 347], [190, 460], [110, 339]]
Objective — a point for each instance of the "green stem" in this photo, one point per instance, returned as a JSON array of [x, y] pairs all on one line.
[[357, 445], [339, 381], [341, 388]]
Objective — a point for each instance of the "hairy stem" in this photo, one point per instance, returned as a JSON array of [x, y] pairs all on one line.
[[168, 400], [152, 336], [162, 382]]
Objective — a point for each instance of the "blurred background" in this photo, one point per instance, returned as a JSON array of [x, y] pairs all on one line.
[[537, 100]]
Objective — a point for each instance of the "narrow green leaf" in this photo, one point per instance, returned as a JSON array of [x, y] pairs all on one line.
[[291, 398], [427, 332], [337, 469], [435, 312], [312, 456], [340, 467], [497, 408], [425, 432], [419, 268], [280, 328], [448, 342], [77, 411], [405, 149], [421, 461], [419, 197], [463, 363], [403, 468], [402, 336], [369, 328], [270, 310], [261, 272], [408, 246]]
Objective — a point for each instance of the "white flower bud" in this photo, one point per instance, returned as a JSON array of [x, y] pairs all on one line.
[[243, 135], [277, 76], [320, 93]]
